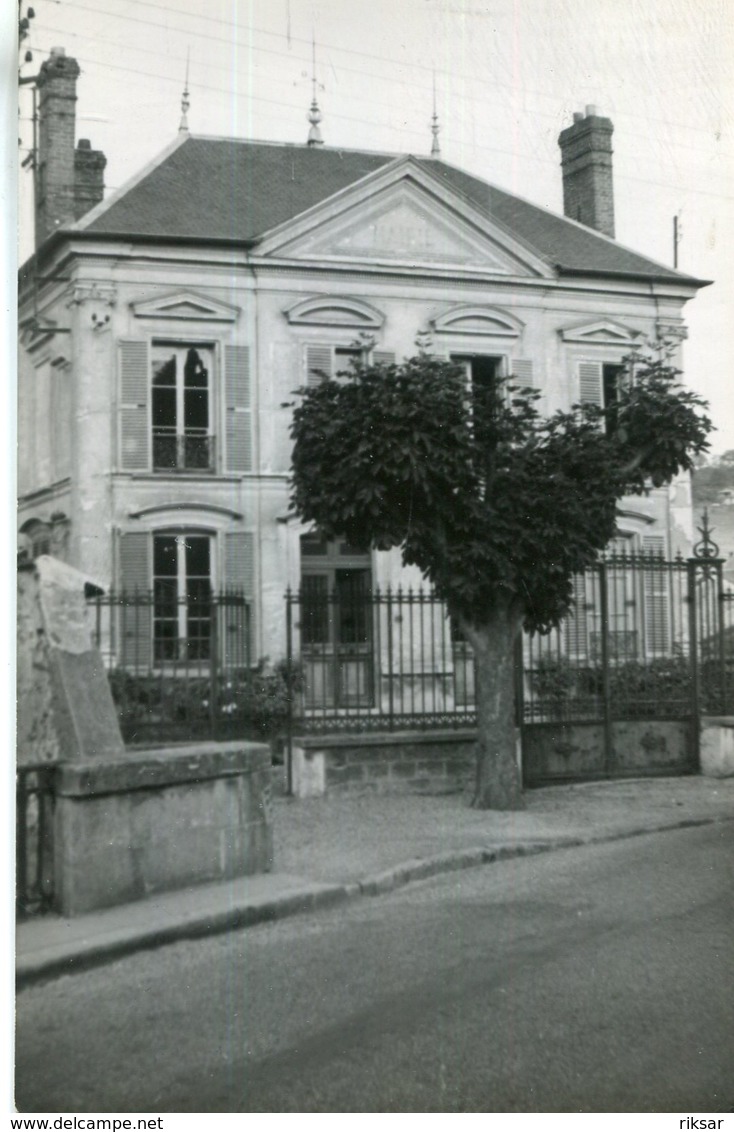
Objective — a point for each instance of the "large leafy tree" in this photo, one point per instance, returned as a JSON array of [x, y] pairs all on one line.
[[496, 504]]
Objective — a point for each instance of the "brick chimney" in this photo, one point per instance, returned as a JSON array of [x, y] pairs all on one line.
[[586, 160], [68, 182], [89, 166]]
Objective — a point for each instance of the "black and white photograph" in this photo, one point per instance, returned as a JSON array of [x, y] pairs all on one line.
[[370, 482]]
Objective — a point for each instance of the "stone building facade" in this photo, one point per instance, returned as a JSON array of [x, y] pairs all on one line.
[[164, 330]]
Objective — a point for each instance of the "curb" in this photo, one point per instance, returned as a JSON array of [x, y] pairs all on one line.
[[33, 970], [421, 869]]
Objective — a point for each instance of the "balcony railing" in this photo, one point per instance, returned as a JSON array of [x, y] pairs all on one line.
[[190, 452]]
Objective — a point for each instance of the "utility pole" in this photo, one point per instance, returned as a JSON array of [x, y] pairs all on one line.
[[31, 159], [24, 25], [677, 233]]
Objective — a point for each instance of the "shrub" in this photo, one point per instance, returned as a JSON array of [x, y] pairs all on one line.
[[662, 684], [251, 703]]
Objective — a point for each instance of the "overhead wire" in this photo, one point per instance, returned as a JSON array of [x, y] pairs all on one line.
[[349, 118], [401, 129], [498, 87]]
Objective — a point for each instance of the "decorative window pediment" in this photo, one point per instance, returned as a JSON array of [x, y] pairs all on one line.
[[603, 332], [176, 510], [487, 321], [186, 306], [326, 310], [636, 516]]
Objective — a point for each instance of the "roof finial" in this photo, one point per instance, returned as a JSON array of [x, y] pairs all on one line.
[[314, 114], [185, 104], [435, 147]]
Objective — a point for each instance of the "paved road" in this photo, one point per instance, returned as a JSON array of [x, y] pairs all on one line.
[[593, 979]]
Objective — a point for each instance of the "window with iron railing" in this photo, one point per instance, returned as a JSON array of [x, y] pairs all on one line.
[[182, 594], [181, 409]]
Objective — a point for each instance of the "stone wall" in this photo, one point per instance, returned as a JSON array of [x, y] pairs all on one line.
[[125, 824], [160, 820], [439, 762], [717, 746], [442, 762]]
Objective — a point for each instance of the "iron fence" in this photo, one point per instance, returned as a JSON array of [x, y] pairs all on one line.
[[179, 666], [377, 659], [34, 799], [645, 638]]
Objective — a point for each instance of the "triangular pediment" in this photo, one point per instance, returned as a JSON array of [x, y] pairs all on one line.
[[187, 306], [402, 218], [602, 332]]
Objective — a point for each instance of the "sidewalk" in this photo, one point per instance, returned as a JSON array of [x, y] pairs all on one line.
[[328, 850]]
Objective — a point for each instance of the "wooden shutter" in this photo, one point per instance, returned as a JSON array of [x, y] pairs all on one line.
[[656, 584], [383, 357], [133, 425], [591, 386], [576, 622], [319, 364], [239, 564], [238, 409], [238, 642], [522, 371], [135, 609]]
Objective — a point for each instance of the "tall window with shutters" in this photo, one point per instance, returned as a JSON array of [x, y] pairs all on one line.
[[599, 384], [182, 590], [181, 400], [170, 418]]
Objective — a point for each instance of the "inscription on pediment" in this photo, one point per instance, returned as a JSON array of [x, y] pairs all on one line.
[[403, 233], [409, 228]]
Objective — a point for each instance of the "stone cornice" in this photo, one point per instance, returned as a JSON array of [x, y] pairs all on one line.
[[92, 291]]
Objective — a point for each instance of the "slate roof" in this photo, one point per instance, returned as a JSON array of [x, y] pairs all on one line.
[[235, 191]]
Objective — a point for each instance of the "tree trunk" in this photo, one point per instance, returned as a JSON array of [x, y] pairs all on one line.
[[498, 782]]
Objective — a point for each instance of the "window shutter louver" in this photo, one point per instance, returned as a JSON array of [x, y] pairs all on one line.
[[135, 611], [238, 409], [239, 567], [657, 624], [318, 364], [134, 430], [591, 389], [383, 357], [239, 581], [522, 370], [576, 620]]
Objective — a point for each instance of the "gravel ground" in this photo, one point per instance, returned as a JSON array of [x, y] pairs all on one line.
[[347, 838]]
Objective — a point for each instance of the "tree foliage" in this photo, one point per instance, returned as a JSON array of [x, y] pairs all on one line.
[[496, 504]]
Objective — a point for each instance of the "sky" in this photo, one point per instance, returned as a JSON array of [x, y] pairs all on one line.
[[508, 76]]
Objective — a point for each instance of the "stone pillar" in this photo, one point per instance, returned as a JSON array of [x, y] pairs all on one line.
[[91, 303], [65, 711]]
